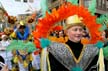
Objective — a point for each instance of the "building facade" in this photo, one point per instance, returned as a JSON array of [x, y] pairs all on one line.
[[101, 6]]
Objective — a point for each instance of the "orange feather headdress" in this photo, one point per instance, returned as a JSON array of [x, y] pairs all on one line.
[[66, 10]]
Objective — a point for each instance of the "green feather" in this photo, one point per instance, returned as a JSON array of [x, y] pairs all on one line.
[[30, 46], [104, 27], [75, 2], [44, 7], [45, 42], [99, 44], [103, 20], [15, 44], [21, 45], [76, 69], [105, 51], [92, 7]]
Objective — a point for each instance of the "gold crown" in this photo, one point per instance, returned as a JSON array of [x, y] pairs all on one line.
[[73, 20]]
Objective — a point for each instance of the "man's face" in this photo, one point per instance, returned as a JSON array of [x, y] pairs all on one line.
[[75, 33], [21, 29]]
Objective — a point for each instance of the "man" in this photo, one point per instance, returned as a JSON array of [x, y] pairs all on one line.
[[21, 31], [73, 55], [7, 55]]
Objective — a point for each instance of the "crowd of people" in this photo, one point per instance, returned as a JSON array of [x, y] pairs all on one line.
[[17, 60]]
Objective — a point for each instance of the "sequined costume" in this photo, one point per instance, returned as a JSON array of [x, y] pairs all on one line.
[[67, 57]]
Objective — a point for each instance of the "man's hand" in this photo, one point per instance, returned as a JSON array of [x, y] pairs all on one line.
[[5, 68], [18, 25]]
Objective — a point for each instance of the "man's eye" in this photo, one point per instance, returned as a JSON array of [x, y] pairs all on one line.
[[74, 29], [77, 30], [80, 29]]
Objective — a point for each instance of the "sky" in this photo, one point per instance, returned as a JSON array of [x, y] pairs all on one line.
[[15, 8]]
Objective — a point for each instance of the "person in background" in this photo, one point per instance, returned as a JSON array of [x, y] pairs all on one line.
[[24, 59], [86, 33], [21, 31], [7, 55], [36, 61]]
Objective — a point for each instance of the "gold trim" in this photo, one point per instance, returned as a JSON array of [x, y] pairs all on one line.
[[49, 67], [44, 54], [41, 59], [80, 57]]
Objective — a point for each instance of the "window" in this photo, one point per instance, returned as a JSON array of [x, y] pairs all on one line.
[[31, 1], [18, 0], [25, 0]]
